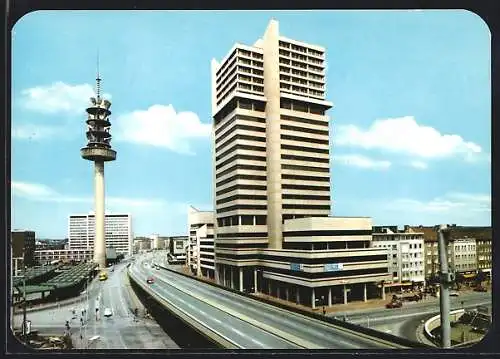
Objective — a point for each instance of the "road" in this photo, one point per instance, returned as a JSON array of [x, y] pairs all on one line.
[[404, 321], [119, 331], [248, 318]]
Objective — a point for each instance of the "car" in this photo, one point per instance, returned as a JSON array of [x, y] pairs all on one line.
[[454, 294], [150, 280], [107, 312], [480, 289], [394, 304]]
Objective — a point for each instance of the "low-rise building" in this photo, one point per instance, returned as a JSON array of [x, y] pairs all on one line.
[[142, 244], [464, 255], [469, 245], [200, 252], [46, 256], [322, 261], [178, 247], [405, 255]]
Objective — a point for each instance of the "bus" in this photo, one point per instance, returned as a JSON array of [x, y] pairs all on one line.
[[103, 276]]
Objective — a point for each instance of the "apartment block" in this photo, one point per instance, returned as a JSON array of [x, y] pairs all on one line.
[[405, 255], [271, 161], [117, 227], [200, 253], [469, 251]]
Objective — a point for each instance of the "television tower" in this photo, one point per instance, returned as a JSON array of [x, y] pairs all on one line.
[[99, 150]]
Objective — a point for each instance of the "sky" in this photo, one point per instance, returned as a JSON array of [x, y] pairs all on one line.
[[410, 126]]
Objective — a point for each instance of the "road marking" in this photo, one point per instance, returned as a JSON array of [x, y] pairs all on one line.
[[272, 330], [257, 342], [238, 332]]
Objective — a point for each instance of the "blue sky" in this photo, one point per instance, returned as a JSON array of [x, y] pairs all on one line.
[[411, 122]]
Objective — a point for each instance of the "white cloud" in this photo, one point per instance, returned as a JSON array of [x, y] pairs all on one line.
[[58, 97], [421, 165], [361, 162], [35, 132], [404, 135], [450, 203], [162, 126], [42, 193]]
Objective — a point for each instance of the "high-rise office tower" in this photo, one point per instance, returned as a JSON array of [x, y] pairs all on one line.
[[271, 137], [272, 173]]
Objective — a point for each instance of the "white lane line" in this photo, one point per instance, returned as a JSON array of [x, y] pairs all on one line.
[[238, 332], [216, 320], [257, 342]]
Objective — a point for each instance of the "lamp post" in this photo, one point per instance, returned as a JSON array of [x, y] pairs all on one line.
[[446, 279], [24, 301]]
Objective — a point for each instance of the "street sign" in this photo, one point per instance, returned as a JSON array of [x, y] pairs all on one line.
[[296, 266], [333, 267]]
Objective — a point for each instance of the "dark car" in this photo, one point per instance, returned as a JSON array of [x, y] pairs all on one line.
[[150, 280], [394, 304], [480, 289]]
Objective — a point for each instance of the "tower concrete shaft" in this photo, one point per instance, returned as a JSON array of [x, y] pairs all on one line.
[[99, 240]]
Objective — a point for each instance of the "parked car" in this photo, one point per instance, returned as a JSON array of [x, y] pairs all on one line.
[[108, 312], [480, 289], [394, 304], [150, 280], [454, 294]]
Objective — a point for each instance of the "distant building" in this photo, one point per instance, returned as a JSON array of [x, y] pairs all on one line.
[[464, 255], [483, 246], [178, 249], [46, 244], [461, 256], [46, 256], [200, 253], [118, 232], [23, 250], [142, 244], [405, 254]]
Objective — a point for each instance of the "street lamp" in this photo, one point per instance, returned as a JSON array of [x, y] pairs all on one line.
[[446, 279]]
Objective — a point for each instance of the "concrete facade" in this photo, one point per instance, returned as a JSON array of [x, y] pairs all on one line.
[[200, 253], [271, 166], [405, 254], [118, 229]]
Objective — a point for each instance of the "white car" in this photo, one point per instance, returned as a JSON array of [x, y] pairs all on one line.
[[108, 312], [454, 294]]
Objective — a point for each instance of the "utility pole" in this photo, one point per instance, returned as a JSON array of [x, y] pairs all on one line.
[[24, 301], [446, 279]]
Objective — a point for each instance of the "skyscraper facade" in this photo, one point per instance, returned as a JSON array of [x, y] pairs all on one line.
[[272, 177]]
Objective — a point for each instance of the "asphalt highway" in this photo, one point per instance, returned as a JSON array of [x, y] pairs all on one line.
[[254, 316], [120, 331]]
